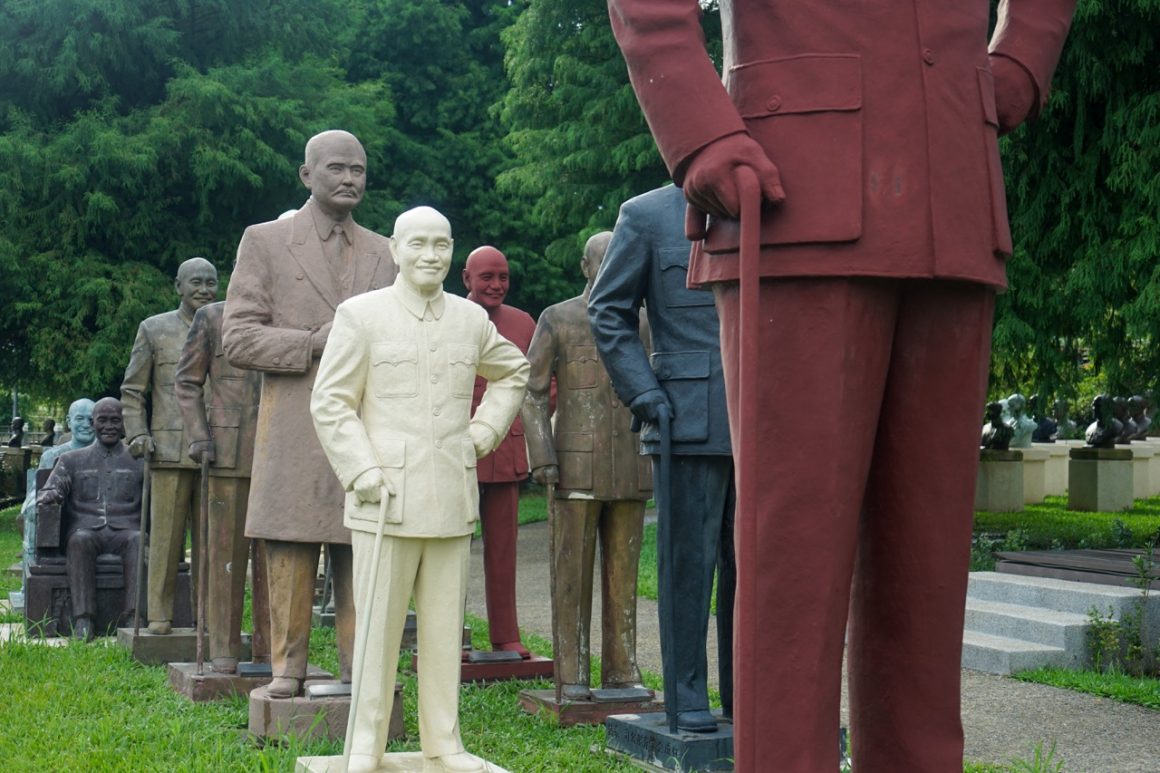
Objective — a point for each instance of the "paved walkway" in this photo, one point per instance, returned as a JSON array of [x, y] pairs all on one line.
[[1003, 719]]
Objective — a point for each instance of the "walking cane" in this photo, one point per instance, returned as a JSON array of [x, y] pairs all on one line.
[[202, 562], [749, 322], [364, 624], [552, 591], [669, 632], [146, 496]]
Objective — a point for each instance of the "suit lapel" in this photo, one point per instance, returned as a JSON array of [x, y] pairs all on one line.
[[366, 263], [306, 248]]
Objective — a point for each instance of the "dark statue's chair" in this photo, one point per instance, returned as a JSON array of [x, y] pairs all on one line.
[[47, 602]]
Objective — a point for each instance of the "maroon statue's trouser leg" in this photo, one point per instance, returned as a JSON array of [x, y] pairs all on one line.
[[498, 511], [831, 350]]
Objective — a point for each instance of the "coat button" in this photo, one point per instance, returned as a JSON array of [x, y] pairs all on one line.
[[774, 104], [277, 360], [301, 276], [928, 56]]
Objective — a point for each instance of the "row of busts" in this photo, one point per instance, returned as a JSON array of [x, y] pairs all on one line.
[[1016, 422]]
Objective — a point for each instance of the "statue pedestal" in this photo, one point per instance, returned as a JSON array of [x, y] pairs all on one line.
[[477, 667], [589, 712], [398, 762], [1142, 455], [1100, 479], [178, 646], [646, 738], [999, 482], [212, 686], [1034, 474], [309, 718], [322, 618], [1055, 469]]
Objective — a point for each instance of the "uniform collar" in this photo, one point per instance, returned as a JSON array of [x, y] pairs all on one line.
[[418, 305]]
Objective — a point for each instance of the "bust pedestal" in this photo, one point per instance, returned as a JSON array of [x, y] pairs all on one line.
[[1100, 479], [999, 483]]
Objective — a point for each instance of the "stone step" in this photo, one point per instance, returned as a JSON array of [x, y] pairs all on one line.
[[1003, 656], [1032, 624], [1065, 596]]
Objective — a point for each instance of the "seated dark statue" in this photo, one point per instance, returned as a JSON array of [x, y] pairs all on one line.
[[1137, 410], [1103, 432], [996, 433], [99, 487], [1045, 426]]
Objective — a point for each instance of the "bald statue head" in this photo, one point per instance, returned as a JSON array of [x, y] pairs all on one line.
[[108, 422], [80, 421], [196, 284], [594, 250], [421, 244], [486, 277], [335, 172]]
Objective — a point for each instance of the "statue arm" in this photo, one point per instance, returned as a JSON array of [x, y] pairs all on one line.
[[191, 375], [135, 385], [1025, 49], [57, 487], [534, 413], [506, 369], [614, 306], [249, 336], [336, 399]]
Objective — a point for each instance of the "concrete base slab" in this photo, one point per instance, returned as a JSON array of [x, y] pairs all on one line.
[[647, 738], [1100, 480], [322, 618], [482, 672], [1034, 474], [1055, 469], [212, 686], [16, 602], [999, 483], [398, 762], [568, 713], [308, 718], [178, 646]]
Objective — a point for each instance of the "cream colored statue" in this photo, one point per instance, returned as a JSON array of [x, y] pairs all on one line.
[[391, 406]]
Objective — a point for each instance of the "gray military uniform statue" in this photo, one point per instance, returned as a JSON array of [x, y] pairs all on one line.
[[646, 261], [175, 495]]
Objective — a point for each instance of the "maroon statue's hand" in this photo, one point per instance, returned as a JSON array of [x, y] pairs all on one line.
[[710, 182], [1014, 93]]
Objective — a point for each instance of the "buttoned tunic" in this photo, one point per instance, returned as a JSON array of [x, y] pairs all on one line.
[[394, 391], [509, 462], [101, 485]]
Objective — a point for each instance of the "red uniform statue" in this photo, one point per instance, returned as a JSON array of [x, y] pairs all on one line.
[[500, 473], [873, 132]]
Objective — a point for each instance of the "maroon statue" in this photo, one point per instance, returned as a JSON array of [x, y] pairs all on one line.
[[872, 131], [500, 473]]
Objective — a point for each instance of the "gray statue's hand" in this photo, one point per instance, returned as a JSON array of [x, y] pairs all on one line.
[[202, 449], [48, 497], [549, 473], [1014, 93], [368, 487], [140, 444], [318, 341], [646, 406], [710, 182]]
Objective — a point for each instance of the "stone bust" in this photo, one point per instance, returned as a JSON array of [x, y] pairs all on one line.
[[1022, 424], [1103, 432], [996, 433]]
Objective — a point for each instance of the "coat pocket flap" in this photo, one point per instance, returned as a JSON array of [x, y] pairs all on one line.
[[391, 453], [810, 83], [393, 354], [226, 417], [462, 354], [574, 441], [673, 365], [674, 258], [987, 94]]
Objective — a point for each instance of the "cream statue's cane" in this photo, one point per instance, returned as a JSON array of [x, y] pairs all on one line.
[[364, 633]]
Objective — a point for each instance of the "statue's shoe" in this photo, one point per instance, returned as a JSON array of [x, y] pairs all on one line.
[[454, 763], [224, 665], [696, 721], [575, 692], [160, 627], [363, 763], [284, 687], [83, 629], [512, 646]]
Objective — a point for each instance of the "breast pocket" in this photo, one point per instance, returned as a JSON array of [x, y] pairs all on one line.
[[394, 370], [581, 366], [674, 264], [125, 487], [88, 486], [806, 111], [462, 363]]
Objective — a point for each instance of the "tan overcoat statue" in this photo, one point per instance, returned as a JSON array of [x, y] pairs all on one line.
[[291, 275]]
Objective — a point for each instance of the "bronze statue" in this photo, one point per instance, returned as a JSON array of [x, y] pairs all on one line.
[[100, 488], [1045, 426], [1137, 406], [223, 436], [1061, 413], [290, 276], [1128, 426], [500, 472], [16, 432], [391, 406], [159, 433], [1106, 429], [602, 483], [48, 439], [646, 263], [996, 432]]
